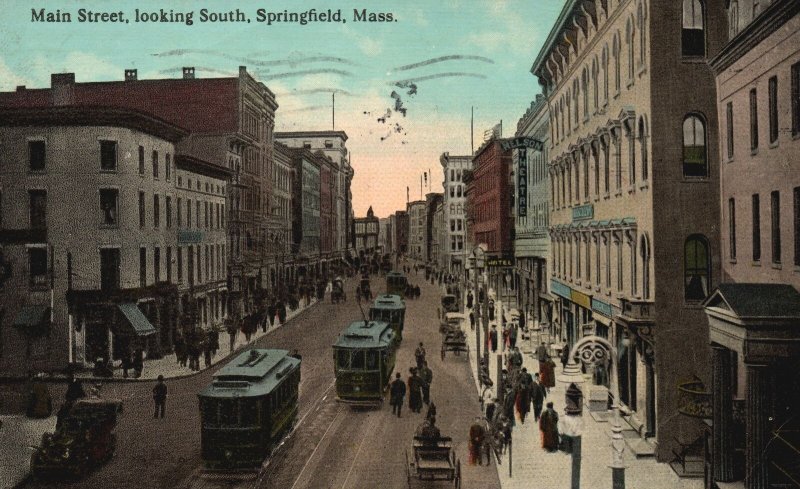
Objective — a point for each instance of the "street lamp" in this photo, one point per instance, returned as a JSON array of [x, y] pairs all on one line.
[[572, 423]]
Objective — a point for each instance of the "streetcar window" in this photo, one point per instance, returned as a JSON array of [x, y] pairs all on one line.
[[343, 358], [357, 360], [228, 412], [249, 412], [372, 360]]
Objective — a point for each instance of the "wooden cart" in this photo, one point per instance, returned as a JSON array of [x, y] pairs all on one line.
[[453, 337], [433, 460]]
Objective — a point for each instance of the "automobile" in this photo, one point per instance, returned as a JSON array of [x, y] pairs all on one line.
[[84, 439], [449, 303]]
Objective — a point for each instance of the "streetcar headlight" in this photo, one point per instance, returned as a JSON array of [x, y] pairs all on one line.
[[356, 388], [66, 453], [228, 454]]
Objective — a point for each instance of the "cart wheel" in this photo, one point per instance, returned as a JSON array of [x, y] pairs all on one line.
[[457, 479]]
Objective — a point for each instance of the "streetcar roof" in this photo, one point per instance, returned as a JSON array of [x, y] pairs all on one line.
[[254, 372], [395, 273], [388, 301], [369, 334]]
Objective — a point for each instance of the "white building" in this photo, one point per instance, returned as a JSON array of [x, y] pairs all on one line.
[[454, 247], [416, 229]]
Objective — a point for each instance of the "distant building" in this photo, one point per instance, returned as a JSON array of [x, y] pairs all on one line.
[[401, 230], [453, 248], [489, 199], [432, 201], [306, 214], [437, 235], [416, 229], [280, 240], [385, 234], [367, 232], [754, 315]]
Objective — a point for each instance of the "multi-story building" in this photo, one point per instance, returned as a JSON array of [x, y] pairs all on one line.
[[333, 145], [281, 238], [327, 212], [367, 233], [754, 315], [416, 229], [453, 248], [231, 122], [385, 234], [432, 201], [400, 228], [306, 214], [531, 213], [634, 194], [437, 235], [94, 269], [489, 199]]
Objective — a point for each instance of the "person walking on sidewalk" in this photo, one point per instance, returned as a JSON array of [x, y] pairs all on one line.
[[426, 374], [138, 362], [397, 391], [477, 436], [564, 356], [160, 397], [470, 298], [523, 400], [493, 338], [542, 355], [414, 391], [548, 425], [472, 320], [538, 393], [419, 355]]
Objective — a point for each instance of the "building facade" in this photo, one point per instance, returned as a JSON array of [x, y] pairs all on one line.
[[437, 236], [400, 228], [416, 229], [454, 248], [432, 201], [282, 209], [306, 213], [385, 234], [367, 235], [489, 199], [531, 217], [755, 350], [632, 121]]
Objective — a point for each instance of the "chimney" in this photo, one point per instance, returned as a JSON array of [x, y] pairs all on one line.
[[20, 88], [188, 72], [62, 85], [242, 70], [130, 75]]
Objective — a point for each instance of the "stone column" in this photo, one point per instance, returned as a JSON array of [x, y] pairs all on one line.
[[722, 457], [758, 412]]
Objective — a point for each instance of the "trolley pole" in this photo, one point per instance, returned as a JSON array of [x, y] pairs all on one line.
[[477, 328]]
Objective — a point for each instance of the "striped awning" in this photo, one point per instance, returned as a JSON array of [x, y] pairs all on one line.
[[136, 320]]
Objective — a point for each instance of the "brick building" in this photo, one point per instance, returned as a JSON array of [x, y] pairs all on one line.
[[489, 199]]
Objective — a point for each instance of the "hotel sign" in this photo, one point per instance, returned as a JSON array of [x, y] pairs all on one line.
[[522, 142], [583, 212], [504, 261], [190, 237], [522, 183]]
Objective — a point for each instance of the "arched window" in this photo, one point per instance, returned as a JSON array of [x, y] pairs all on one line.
[[605, 74], [733, 19], [644, 251], [696, 268], [615, 54], [595, 83], [629, 43], [640, 18], [643, 145], [693, 42], [458, 191], [452, 208], [585, 88], [695, 160]]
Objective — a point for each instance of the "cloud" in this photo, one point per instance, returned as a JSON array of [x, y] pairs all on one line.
[[8, 79]]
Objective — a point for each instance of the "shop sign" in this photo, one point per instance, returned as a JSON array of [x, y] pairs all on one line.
[[581, 299], [522, 183], [521, 142], [190, 237], [506, 261], [560, 289], [602, 308], [583, 212]]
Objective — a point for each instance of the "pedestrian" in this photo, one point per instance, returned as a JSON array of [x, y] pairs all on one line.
[[426, 374], [271, 313], [548, 425], [397, 391], [207, 354], [512, 335], [538, 393], [523, 399], [506, 336], [358, 294], [419, 355], [414, 391], [231, 336], [542, 355], [493, 339], [160, 397], [509, 402], [470, 298], [491, 406], [127, 364], [477, 435], [281, 312], [213, 339], [431, 414], [472, 320], [549, 374], [180, 349], [491, 310], [515, 359], [564, 356], [138, 362]]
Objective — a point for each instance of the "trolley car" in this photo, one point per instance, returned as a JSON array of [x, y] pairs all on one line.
[[248, 408], [390, 309], [363, 358], [396, 284]]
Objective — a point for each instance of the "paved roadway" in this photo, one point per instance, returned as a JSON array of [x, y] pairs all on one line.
[[333, 445]]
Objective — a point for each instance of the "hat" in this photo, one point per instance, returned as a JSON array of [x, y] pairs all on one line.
[[160, 377]]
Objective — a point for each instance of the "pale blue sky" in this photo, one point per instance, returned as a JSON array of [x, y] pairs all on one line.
[[497, 41]]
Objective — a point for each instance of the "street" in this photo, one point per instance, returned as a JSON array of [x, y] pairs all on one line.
[[332, 445]]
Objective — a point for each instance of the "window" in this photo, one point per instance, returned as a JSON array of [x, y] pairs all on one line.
[[36, 155], [640, 18], [142, 267], [753, 120], [169, 264], [645, 252], [109, 269], [795, 99], [629, 41], [179, 211], [733, 19], [615, 53], [155, 164], [775, 211], [156, 211], [197, 215], [729, 128], [773, 109], [307, 144], [157, 264], [756, 228], [618, 244], [141, 160], [168, 205], [188, 213], [37, 266], [205, 214], [796, 196], [180, 264], [695, 163], [109, 200], [167, 166], [38, 209], [697, 269], [643, 147], [329, 144], [732, 228], [692, 37], [141, 210], [108, 155]]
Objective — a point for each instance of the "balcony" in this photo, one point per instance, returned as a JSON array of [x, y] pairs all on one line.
[[695, 401]]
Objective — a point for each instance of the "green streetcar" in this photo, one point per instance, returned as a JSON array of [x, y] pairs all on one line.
[[390, 309], [363, 358], [396, 284], [248, 408]]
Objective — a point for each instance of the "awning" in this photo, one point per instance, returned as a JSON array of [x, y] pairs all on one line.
[[136, 319], [32, 316]]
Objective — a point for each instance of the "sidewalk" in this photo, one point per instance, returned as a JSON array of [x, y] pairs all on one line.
[[534, 468], [17, 434], [168, 365]]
